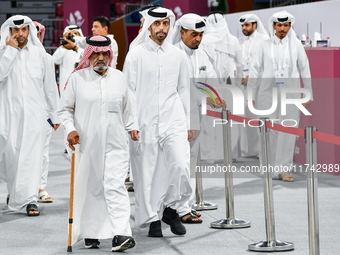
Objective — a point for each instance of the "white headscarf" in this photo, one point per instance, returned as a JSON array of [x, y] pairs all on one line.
[[254, 18], [19, 21], [144, 10], [283, 17], [218, 35], [161, 13], [189, 21], [73, 28]]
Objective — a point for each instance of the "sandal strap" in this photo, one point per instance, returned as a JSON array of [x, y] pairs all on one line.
[[32, 207], [43, 193]]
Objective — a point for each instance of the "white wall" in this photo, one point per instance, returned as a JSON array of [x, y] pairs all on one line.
[[326, 12]]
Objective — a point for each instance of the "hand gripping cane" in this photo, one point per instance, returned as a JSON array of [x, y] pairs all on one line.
[[70, 221]]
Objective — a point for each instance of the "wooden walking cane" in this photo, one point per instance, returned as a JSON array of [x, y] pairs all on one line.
[[70, 220]]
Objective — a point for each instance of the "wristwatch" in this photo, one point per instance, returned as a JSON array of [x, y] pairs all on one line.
[[74, 48]]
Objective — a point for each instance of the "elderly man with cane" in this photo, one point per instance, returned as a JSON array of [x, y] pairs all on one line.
[[96, 108]]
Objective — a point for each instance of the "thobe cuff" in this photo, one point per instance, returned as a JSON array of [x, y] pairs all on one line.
[[54, 118], [69, 127]]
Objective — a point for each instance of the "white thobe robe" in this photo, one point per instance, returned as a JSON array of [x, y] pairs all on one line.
[[225, 65], [46, 158], [26, 93], [249, 136], [82, 44], [201, 70], [98, 108], [281, 150], [159, 81], [66, 59]]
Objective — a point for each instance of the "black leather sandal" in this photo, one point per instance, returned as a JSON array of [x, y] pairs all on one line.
[[32, 208]]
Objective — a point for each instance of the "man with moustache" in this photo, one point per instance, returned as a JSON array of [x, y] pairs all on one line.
[[159, 82], [96, 114], [28, 97], [189, 31], [279, 63], [101, 26], [254, 35]]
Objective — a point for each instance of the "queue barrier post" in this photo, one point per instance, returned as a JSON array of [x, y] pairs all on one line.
[[271, 244], [201, 205], [312, 191], [230, 221]]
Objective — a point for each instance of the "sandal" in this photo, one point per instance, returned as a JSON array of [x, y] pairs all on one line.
[[190, 218], [131, 189], [32, 208], [286, 177], [197, 214], [44, 197]]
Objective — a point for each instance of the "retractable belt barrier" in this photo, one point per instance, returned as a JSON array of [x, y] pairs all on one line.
[[311, 136]]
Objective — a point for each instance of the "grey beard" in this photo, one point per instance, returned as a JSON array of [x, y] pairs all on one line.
[[99, 68]]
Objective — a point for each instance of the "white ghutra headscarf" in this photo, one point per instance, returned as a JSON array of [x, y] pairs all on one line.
[[19, 21], [154, 14], [188, 21], [254, 18]]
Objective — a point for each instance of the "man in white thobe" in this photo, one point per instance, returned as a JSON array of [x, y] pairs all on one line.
[[254, 34], [159, 81], [26, 92], [279, 63], [188, 34], [43, 196], [101, 26], [96, 108], [67, 59], [225, 54]]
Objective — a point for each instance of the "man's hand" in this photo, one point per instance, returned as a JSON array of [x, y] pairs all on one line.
[[13, 41], [191, 135], [73, 138], [307, 104], [69, 45], [245, 81], [55, 126], [224, 105], [134, 135], [212, 104]]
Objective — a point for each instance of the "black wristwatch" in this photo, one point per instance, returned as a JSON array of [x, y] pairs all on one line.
[[74, 48]]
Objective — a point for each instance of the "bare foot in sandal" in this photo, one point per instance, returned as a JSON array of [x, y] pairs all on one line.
[[190, 218], [286, 177], [44, 197], [32, 210]]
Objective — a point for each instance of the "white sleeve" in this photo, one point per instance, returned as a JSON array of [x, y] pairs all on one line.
[[255, 71], [114, 46], [128, 117], [50, 89], [7, 58], [58, 55], [238, 60], [67, 106], [183, 88], [130, 72]]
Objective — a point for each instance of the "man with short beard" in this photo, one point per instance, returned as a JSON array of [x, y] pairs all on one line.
[[189, 31], [28, 97], [254, 35], [96, 114], [159, 82], [279, 63]]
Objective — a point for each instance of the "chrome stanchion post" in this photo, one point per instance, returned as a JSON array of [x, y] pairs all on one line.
[[229, 221], [312, 192], [201, 205], [271, 244]]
